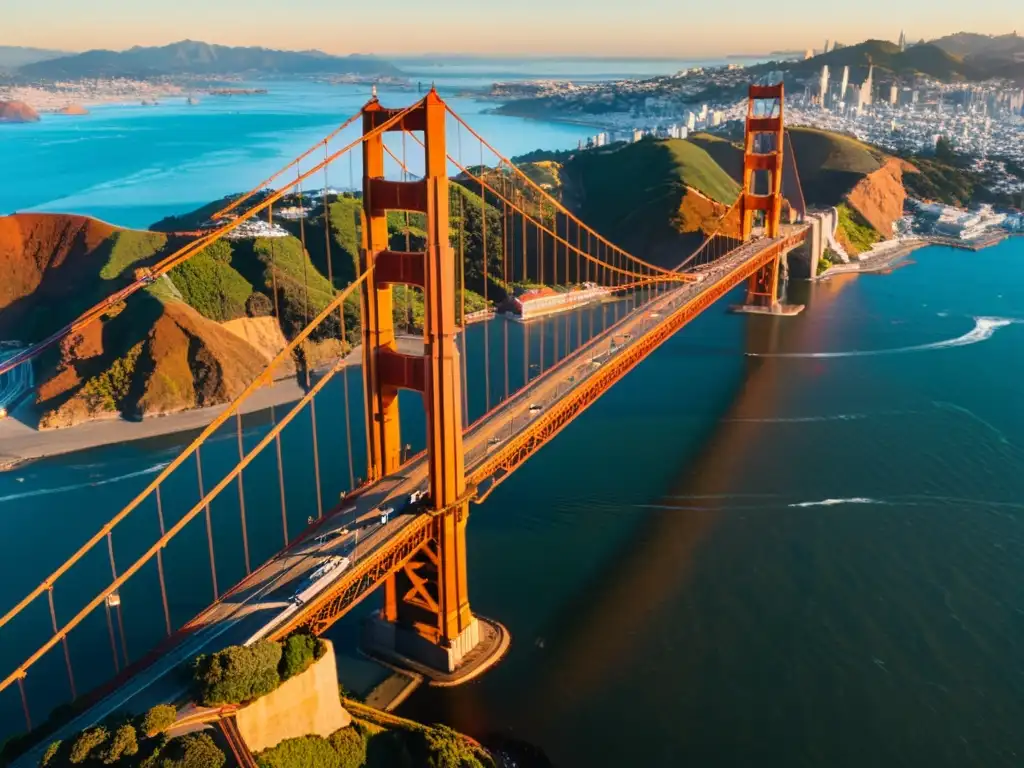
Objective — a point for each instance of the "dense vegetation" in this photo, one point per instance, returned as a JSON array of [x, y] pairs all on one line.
[[241, 673], [209, 284], [363, 744], [859, 235], [130, 247], [135, 743]]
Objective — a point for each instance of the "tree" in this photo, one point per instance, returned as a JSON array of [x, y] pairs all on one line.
[[124, 744], [258, 305], [237, 674], [195, 750], [445, 748], [87, 741], [297, 655], [158, 719], [350, 746], [302, 752], [50, 754], [944, 150]]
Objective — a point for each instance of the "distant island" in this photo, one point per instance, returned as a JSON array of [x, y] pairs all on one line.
[[17, 112], [189, 58]]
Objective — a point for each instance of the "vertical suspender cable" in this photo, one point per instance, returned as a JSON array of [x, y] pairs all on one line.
[[209, 525], [64, 642], [280, 475], [241, 497], [160, 562], [113, 572]]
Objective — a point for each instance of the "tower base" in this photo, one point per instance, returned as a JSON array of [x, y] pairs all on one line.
[[477, 649], [778, 309]]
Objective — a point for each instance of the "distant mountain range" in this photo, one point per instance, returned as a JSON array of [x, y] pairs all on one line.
[[14, 56], [196, 58]]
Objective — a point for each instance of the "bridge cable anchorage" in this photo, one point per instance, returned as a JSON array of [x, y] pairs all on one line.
[[184, 253], [263, 378]]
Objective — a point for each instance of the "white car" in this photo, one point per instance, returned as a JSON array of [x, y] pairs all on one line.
[[535, 409], [385, 514], [326, 536], [417, 496]]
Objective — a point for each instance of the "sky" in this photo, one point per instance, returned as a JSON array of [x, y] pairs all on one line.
[[599, 28]]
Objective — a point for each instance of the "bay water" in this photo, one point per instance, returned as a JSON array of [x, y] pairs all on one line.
[[786, 541]]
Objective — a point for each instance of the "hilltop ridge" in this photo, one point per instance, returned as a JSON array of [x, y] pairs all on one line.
[[189, 57]]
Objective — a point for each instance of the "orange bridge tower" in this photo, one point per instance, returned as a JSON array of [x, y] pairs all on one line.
[[426, 614], [761, 205]]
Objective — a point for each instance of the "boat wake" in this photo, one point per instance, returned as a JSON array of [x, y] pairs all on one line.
[[803, 419], [984, 329], [79, 486], [836, 502]]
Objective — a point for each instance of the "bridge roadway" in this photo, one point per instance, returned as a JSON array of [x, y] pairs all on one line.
[[260, 602]]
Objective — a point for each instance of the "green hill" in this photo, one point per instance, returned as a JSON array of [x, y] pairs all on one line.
[[830, 164], [634, 195], [927, 59]]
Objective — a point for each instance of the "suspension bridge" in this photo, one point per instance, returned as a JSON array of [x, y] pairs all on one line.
[[415, 552]]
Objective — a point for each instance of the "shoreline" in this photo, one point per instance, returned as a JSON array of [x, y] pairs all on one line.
[[881, 261], [22, 443]]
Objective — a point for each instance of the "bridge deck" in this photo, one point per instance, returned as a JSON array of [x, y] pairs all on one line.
[[494, 447]]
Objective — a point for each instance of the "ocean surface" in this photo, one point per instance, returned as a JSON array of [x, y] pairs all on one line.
[[779, 541]]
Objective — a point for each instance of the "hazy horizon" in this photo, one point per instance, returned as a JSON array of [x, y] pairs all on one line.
[[527, 28]]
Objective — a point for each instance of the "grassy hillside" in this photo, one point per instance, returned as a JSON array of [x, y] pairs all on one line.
[[634, 195], [830, 164]]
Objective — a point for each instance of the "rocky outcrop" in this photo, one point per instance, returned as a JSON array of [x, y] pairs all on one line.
[[17, 112], [195, 363], [154, 359], [73, 109], [53, 254], [880, 195], [263, 333], [303, 705]]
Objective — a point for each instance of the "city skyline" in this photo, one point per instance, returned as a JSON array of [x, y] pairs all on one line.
[[525, 28]]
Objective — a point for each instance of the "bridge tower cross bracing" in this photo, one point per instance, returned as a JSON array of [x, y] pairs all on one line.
[[764, 145], [426, 612]]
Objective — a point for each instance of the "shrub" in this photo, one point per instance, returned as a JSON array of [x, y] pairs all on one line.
[[297, 655], [87, 741], [209, 283], [303, 752], [259, 305], [195, 750], [445, 748], [159, 718], [350, 746], [388, 749], [124, 744], [48, 756], [237, 674]]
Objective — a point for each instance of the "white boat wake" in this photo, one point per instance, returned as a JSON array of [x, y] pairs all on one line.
[[984, 329], [79, 486], [836, 502]]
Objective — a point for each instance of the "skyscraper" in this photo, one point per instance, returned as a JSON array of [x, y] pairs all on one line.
[[894, 94], [867, 88], [827, 42], [845, 85], [823, 85], [903, 41]]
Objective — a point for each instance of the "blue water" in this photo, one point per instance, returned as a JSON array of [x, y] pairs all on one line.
[[133, 165], [780, 541]]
